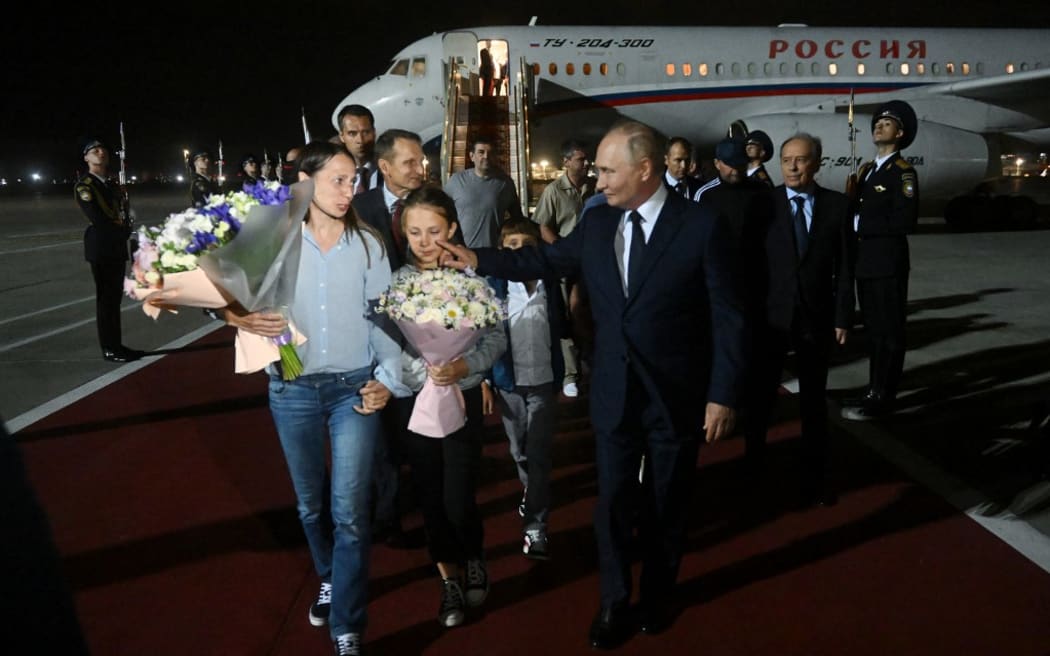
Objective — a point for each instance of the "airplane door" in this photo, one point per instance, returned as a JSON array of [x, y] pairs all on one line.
[[463, 47]]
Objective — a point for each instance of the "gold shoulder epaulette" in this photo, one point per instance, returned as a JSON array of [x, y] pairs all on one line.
[[903, 163]]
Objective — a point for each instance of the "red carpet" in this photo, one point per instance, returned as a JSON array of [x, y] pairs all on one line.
[[173, 512]]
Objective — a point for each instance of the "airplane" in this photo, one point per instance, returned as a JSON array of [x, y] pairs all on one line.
[[978, 93]]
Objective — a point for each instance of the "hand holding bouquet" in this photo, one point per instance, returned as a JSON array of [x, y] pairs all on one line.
[[241, 246], [440, 312]]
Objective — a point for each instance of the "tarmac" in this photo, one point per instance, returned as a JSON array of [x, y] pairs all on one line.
[[973, 409]]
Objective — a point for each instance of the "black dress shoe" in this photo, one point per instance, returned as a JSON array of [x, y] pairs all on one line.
[[610, 628], [121, 355], [864, 399]]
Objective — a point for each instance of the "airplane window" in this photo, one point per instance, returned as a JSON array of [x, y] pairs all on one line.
[[587, 69], [419, 67], [980, 68], [905, 69], [621, 69], [889, 67], [860, 68], [703, 70], [535, 69], [1024, 66], [400, 67], [687, 70], [800, 68], [720, 68], [736, 68], [935, 68], [604, 69], [751, 68], [553, 68], [783, 68], [949, 68], [920, 68], [1009, 68], [965, 68], [570, 69], [669, 69], [833, 69], [767, 68], [815, 67]]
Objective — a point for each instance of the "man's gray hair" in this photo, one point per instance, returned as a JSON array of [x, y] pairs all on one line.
[[642, 141], [814, 143]]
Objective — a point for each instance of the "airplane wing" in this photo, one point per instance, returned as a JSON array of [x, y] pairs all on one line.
[[1026, 94]]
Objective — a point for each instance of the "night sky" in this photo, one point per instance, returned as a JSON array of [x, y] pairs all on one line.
[[186, 73]]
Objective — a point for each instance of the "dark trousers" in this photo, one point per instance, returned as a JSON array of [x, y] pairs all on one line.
[[386, 470], [109, 288], [445, 478], [662, 498], [811, 366], [884, 302]]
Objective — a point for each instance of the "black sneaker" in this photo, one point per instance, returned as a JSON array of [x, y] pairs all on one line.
[[535, 546], [477, 587], [319, 609], [348, 644], [450, 612]]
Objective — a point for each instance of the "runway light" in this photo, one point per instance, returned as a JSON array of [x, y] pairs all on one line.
[[179, 178], [35, 177], [1019, 162]]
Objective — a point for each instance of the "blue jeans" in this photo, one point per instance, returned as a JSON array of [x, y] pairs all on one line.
[[301, 410]]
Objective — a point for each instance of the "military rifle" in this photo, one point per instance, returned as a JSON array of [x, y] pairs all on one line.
[[306, 130], [851, 179], [221, 162], [125, 200]]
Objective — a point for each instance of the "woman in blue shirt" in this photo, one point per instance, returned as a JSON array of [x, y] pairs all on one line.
[[350, 370]]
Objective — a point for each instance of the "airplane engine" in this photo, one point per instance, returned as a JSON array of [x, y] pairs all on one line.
[[949, 161]]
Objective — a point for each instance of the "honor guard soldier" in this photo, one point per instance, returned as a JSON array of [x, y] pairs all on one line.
[[759, 151], [105, 246], [248, 173], [887, 209], [201, 184]]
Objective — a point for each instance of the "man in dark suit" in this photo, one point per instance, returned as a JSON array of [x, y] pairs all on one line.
[[399, 154], [105, 246], [887, 210], [357, 131], [668, 360], [808, 306], [678, 157]]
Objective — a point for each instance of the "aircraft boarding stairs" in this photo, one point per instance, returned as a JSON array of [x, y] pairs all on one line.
[[503, 120]]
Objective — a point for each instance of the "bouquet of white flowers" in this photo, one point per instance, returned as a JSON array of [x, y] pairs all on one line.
[[440, 311], [241, 246]]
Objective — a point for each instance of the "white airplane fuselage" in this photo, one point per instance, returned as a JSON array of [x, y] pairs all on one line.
[[696, 81]]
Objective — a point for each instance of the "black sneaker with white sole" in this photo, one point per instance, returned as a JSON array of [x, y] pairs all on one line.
[[477, 587], [535, 546], [320, 609], [451, 610], [348, 644]]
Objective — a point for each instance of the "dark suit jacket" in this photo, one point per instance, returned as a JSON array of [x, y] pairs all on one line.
[[371, 207], [817, 289], [888, 209], [692, 185], [681, 333]]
